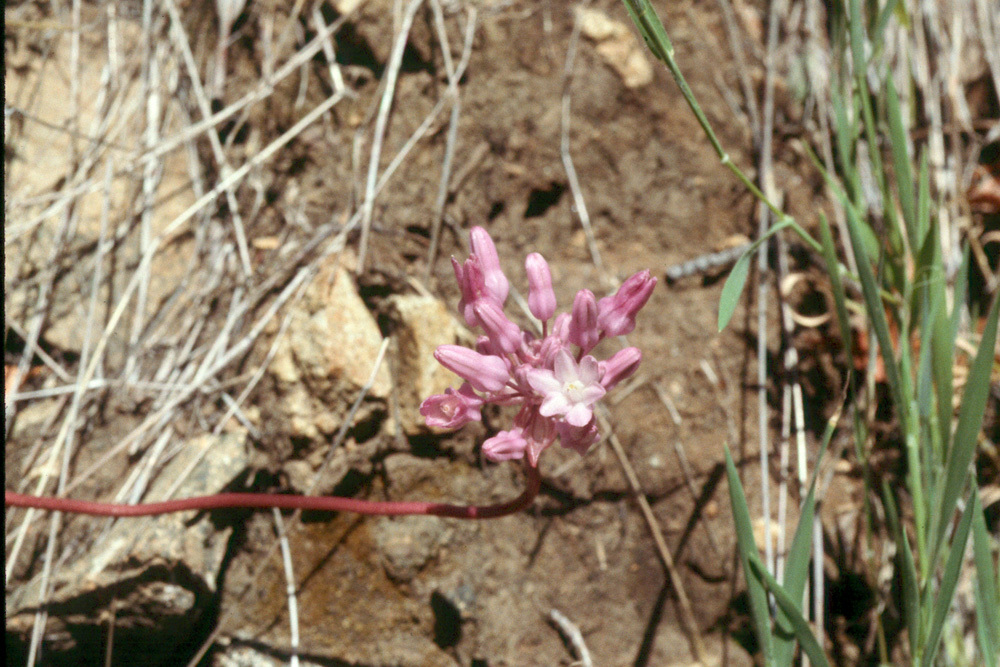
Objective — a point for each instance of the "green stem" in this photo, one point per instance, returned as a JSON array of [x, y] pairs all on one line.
[[659, 44]]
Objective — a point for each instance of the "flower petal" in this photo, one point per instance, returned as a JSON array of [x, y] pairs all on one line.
[[565, 367], [554, 404], [591, 394], [543, 381], [579, 415], [588, 372]]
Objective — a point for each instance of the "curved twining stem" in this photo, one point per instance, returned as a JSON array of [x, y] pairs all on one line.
[[280, 501]]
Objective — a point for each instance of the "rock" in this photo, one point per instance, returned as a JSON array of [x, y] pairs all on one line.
[[410, 651], [408, 543], [762, 527], [423, 323], [30, 424], [347, 6], [397, 651], [326, 357], [43, 153], [350, 611], [617, 46], [374, 23], [247, 656], [155, 576]]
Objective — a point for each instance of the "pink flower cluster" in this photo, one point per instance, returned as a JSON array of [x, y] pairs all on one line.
[[553, 378]]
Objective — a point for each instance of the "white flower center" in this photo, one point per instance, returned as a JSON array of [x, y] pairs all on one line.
[[573, 390]]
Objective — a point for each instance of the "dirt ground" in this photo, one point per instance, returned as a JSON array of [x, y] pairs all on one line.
[[428, 591]]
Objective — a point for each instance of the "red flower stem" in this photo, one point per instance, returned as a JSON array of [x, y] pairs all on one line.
[[291, 502]]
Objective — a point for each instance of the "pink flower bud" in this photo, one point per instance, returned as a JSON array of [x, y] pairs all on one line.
[[560, 326], [583, 324], [484, 372], [471, 282], [504, 334], [505, 445], [619, 367], [551, 346], [616, 314], [539, 431], [578, 438], [530, 350], [541, 297], [484, 345], [486, 253], [520, 376], [452, 409]]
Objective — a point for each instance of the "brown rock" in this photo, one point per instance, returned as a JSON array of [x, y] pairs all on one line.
[[327, 356], [423, 323], [44, 151], [616, 44], [153, 575]]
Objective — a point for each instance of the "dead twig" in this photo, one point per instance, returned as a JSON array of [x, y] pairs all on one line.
[[579, 204], [573, 636], [293, 605], [381, 124], [687, 614], [444, 188]]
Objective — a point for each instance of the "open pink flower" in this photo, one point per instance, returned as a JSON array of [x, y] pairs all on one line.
[[570, 390]]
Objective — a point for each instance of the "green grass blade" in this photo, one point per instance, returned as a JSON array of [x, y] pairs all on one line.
[[732, 290], [856, 36], [970, 420], [891, 7], [759, 611], [932, 311], [845, 134], [837, 285], [894, 259], [901, 165], [928, 265], [988, 590], [942, 344], [651, 28], [935, 377], [989, 649], [942, 339], [942, 604], [803, 633], [796, 575], [961, 286], [924, 200], [907, 570], [860, 62], [737, 279], [876, 311]]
